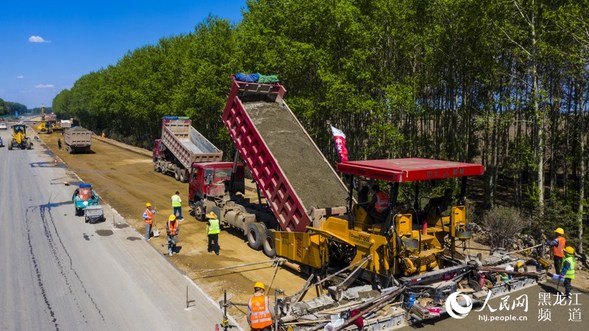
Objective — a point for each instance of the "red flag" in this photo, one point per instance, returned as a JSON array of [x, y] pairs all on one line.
[[340, 144]]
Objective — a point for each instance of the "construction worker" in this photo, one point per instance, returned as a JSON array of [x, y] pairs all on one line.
[[260, 313], [177, 205], [172, 229], [558, 245], [213, 230], [568, 270], [378, 205], [58, 143], [148, 216]]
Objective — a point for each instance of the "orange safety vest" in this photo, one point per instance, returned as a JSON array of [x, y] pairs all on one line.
[[382, 201], [260, 315], [149, 218], [173, 229], [559, 250]]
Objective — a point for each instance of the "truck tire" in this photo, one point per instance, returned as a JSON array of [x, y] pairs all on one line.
[[256, 235], [269, 246], [177, 173], [199, 210], [183, 175]]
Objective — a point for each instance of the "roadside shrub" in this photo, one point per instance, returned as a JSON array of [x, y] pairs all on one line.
[[501, 225]]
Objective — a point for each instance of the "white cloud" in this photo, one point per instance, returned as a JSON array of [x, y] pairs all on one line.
[[37, 39], [20, 76], [44, 86]]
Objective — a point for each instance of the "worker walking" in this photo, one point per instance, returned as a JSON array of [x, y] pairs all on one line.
[[148, 216], [558, 245], [59, 144], [568, 270], [177, 205], [260, 313], [213, 230], [172, 229]]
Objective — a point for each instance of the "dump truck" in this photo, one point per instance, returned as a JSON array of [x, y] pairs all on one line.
[[77, 139], [299, 186], [19, 137], [180, 146]]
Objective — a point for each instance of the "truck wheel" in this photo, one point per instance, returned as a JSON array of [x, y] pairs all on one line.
[[156, 167], [183, 175], [199, 211], [177, 173], [269, 246], [79, 212], [256, 235]]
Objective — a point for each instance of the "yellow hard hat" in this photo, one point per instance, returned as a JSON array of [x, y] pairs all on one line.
[[569, 250], [148, 204], [259, 285], [211, 214], [172, 217], [560, 231]]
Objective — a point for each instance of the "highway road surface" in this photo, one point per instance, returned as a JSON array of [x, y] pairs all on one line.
[[59, 273]]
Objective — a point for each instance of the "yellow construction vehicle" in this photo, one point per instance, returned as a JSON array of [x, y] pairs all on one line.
[[19, 137], [44, 127], [407, 242]]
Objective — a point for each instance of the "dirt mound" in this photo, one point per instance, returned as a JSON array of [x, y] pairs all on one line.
[[310, 175]]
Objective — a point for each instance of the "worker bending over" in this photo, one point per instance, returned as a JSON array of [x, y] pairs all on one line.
[[172, 229]]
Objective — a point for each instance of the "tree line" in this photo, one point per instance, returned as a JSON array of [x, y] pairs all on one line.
[[11, 108], [501, 82]]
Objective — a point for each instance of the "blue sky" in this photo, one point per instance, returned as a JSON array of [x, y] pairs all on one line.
[[45, 46]]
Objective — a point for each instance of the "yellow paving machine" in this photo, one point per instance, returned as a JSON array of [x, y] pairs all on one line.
[[406, 242]]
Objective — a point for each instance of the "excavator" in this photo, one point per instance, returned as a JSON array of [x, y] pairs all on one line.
[[406, 244], [19, 137]]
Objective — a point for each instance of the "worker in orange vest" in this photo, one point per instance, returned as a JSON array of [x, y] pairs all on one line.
[[558, 245], [173, 229], [260, 315], [378, 205], [148, 216]]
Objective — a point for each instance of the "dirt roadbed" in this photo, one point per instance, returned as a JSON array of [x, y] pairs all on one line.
[[126, 180]]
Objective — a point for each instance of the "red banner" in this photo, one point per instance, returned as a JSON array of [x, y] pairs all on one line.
[[340, 144]]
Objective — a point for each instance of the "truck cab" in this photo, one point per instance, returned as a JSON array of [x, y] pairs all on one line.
[[211, 180]]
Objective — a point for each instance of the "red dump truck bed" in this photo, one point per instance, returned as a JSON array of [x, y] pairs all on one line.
[[296, 179]]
